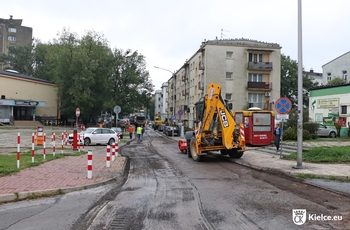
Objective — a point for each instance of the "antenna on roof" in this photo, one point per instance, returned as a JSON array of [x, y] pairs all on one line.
[[222, 34]]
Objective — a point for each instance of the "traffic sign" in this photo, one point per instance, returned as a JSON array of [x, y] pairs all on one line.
[[180, 112], [77, 112], [173, 118], [283, 105], [117, 109], [282, 116]]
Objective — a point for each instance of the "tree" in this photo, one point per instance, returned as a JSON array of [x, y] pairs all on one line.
[[289, 81], [337, 81], [19, 58]]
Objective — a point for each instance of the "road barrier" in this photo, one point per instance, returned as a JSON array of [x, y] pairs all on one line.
[[108, 157], [89, 167], [117, 149], [53, 144]]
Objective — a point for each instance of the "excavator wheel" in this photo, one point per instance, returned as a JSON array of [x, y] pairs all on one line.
[[234, 153], [223, 151], [188, 150], [194, 154]]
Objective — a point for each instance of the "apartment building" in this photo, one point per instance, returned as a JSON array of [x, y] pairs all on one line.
[[247, 70], [12, 32]]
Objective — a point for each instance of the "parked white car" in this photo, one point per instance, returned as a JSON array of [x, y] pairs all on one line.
[[325, 131], [97, 136]]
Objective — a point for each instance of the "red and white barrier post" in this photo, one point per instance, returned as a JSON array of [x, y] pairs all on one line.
[[89, 167], [62, 142], [83, 141], [117, 149], [78, 142], [53, 144], [44, 145], [33, 140], [18, 150], [108, 157], [113, 152]]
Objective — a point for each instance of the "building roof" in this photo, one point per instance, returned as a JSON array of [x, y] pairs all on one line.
[[336, 58], [15, 74]]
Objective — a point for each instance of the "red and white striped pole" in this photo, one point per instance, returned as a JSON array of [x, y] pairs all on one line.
[[18, 150], [44, 146], [89, 167], [33, 147], [113, 152], [117, 149], [78, 142], [83, 141], [108, 157], [54, 144], [62, 142]]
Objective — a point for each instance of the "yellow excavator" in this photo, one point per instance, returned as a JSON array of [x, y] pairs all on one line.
[[215, 128]]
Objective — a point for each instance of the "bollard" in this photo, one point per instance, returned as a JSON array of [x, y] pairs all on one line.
[[33, 141], [18, 150], [117, 149], [89, 168], [83, 141], [44, 146], [54, 144], [62, 143], [108, 157], [78, 135], [113, 152]]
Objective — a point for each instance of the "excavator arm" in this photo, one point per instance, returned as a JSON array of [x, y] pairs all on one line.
[[216, 113]]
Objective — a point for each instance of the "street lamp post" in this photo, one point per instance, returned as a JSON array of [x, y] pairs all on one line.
[[172, 132]]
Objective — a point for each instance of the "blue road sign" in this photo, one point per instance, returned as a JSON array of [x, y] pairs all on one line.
[[173, 118], [283, 105], [180, 112]]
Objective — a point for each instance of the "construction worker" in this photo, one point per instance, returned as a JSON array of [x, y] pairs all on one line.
[[139, 133], [131, 130]]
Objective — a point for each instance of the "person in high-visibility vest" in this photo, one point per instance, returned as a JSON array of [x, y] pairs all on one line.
[[139, 133], [131, 130]]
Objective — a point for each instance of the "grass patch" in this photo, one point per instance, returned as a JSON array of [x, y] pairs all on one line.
[[8, 162], [332, 178], [335, 154]]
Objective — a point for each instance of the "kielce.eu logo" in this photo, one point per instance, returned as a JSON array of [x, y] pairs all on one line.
[[299, 216]]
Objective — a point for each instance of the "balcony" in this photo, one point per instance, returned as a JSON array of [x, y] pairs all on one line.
[[184, 92], [184, 78], [266, 86], [260, 66], [201, 66]]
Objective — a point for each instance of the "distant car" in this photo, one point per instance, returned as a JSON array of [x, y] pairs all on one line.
[[119, 131], [325, 131], [96, 136], [170, 129], [161, 127]]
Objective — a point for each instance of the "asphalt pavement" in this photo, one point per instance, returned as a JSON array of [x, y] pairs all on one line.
[[71, 173]]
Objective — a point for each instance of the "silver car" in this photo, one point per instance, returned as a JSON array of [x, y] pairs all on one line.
[[325, 131], [97, 136]]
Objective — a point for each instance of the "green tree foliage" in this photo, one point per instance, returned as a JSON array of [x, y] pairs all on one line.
[[336, 81], [89, 75], [289, 81], [19, 58]]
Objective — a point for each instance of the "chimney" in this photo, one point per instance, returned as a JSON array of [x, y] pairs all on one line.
[[10, 17], [311, 70]]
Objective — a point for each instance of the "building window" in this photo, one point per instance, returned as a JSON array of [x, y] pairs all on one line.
[[345, 75], [229, 54], [228, 96], [344, 109], [228, 75], [11, 38], [255, 77], [255, 57], [329, 76], [11, 29]]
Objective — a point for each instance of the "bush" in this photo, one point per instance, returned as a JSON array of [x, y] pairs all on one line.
[[306, 135], [290, 134], [312, 127]]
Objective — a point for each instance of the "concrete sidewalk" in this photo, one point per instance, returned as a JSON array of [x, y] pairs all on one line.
[[70, 173]]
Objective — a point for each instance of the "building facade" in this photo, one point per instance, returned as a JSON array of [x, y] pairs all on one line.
[[12, 32], [338, 67], [248, 72], [26, 98]]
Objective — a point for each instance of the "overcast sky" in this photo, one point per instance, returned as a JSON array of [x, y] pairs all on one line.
[[167, 32]]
